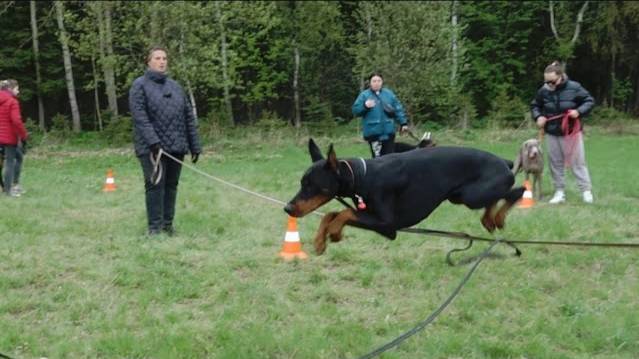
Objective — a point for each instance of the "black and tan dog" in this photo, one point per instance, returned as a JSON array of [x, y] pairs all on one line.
[[399, 190]]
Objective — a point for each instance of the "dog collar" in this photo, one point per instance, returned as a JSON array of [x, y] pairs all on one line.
[[361, 205]]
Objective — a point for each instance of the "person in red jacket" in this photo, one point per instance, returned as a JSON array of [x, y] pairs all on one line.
[[12, 131]]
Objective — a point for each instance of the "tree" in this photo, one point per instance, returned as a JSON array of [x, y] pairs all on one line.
[[410, 44], [68, 69], [108, 59], [566, 47], [225, 63], [36, 60], [504, 43]]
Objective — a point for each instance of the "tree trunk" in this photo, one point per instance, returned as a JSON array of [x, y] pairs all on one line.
[[453, 21], [225, 74], [154, 26], [109, 63], [296, 91], [96, 95], [575, 36], [612, 80], [189, 88], [636, 104], [36, 60], [68, 70], [369, 35]]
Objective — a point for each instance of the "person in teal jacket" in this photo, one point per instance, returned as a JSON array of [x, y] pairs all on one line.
[[379, 109]]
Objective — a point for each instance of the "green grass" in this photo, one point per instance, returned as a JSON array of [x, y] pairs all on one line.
[[79, 279]]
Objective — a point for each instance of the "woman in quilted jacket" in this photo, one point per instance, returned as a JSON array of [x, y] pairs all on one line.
[[12, 132], [163, 119]]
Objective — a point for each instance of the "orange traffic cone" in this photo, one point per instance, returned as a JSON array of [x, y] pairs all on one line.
[[109, 184], [527, 199], [292, 247]]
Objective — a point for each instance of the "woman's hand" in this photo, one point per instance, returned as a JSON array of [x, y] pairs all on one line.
[[541, 121], [370, 103], [573, 113]]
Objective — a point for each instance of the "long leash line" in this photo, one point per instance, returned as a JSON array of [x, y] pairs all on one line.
[[462, 235], [421, 325], [163, 153]]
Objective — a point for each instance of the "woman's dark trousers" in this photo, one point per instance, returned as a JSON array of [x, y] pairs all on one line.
[[160, 198], [9, 167], [381, 147]]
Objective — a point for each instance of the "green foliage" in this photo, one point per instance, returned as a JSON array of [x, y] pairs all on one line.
[[409, 43], [501, 50], [118, 132], [507, 111], [501, 46]]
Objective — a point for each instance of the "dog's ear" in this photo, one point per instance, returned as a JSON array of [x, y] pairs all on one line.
[[331, 159], [315, 152]]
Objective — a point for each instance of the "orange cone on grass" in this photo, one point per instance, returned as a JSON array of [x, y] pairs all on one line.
[[292, 247], [109, 184], [527, 199]]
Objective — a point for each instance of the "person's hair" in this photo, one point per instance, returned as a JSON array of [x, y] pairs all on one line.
[[153, 49], [556, 67], [8, 84], [373, 74]]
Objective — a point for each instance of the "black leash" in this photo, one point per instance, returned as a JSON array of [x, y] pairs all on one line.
[[461, 235], [421, 325], [4, 356]]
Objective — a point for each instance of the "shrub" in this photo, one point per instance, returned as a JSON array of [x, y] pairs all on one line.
[[119, 131]]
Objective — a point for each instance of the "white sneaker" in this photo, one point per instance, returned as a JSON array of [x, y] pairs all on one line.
[[587, 195], [559, 197], [18, 189]]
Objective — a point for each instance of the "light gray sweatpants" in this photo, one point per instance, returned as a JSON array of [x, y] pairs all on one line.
[[558, 149]]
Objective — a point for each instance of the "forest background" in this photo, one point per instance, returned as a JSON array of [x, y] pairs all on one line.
[[455, 64]]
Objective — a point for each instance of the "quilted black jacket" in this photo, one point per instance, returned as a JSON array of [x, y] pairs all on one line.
[[162, 114], [569, 95]]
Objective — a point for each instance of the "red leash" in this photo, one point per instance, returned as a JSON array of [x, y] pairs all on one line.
[[571, 135]]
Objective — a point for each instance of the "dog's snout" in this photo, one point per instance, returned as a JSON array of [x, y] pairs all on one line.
[[289, 208]]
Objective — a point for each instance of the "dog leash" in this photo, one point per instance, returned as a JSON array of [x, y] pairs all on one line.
[[570, 135], [163, 153], [462, 235], [421, 325]]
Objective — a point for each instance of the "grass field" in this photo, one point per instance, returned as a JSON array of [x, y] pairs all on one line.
[[79, 279]]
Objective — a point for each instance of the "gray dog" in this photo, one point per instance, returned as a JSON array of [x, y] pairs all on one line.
[[531, 160]]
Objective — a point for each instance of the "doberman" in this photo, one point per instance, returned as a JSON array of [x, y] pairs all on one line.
[[399, 190]]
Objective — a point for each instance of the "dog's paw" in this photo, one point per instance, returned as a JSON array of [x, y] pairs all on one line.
[[500, 219], [488, 223], [335, 237], [320, 245]]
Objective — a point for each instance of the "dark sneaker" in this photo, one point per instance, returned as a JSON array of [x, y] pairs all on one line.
[[169, 230], [154, 232]]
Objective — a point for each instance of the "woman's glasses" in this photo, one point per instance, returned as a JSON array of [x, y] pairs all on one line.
[[552, 82]]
